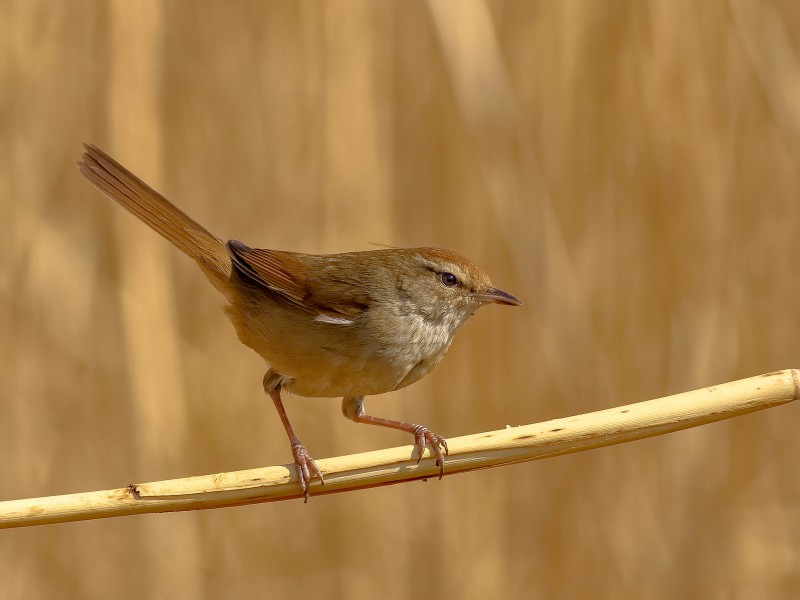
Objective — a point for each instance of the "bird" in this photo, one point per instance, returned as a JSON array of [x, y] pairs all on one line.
[[346, 325]]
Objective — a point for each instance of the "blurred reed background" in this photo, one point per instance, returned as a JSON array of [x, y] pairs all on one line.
[[629, 169]]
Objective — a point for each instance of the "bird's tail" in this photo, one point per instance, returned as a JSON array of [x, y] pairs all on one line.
[[135, 196]]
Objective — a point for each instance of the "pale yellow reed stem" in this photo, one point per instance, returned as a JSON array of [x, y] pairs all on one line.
[[395, 465]]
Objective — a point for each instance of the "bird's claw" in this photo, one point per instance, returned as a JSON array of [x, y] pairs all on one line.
[[306, 469], [422, 437]]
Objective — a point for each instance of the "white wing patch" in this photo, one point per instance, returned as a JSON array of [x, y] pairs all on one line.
[[333, 320]]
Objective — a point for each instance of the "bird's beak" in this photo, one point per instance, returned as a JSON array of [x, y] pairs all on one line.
[[496, 296]]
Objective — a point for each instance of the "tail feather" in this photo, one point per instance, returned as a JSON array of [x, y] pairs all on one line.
[[133, 194]]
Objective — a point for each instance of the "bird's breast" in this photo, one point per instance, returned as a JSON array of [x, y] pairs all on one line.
[[377, 352]]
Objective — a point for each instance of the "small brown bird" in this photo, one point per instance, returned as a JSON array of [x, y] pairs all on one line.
[[351, 325]]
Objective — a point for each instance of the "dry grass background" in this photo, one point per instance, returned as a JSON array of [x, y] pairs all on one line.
[[630, 170]]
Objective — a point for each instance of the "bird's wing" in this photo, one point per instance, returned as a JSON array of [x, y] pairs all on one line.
[[317, 284]]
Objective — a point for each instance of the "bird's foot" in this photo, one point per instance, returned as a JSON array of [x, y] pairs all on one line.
[[306, 469], [422, 437]]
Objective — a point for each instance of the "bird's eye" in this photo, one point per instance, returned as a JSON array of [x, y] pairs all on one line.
[[448, 279]]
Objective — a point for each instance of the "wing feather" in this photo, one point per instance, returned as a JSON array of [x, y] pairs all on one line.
[[321, 285]]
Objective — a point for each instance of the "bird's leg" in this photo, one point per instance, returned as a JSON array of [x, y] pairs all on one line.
[[305, 465], [353, 409]]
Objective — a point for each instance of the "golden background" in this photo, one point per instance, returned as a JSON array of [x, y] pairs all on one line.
[[630, 170]]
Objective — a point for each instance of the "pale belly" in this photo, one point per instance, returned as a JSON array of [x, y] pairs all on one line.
[[386, 364], [365, 357]]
